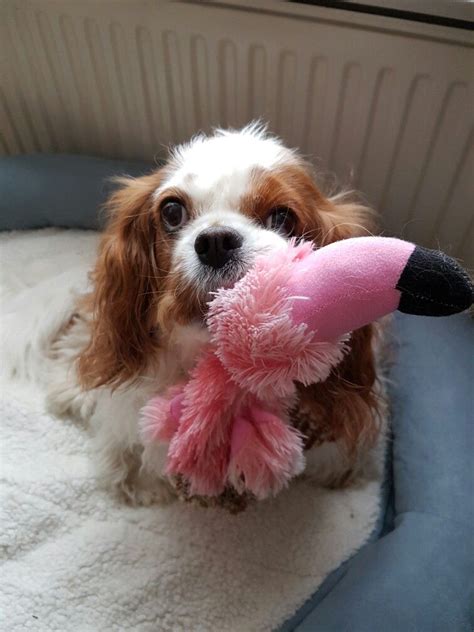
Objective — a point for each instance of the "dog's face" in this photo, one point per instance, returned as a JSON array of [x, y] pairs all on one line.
[[195, 225], [223, 201], [213, 207]]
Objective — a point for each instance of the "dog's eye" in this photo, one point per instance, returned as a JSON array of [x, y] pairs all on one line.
[[173, 214], [281, 219]]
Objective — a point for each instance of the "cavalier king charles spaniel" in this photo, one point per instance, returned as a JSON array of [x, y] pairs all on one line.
[[174, 237]]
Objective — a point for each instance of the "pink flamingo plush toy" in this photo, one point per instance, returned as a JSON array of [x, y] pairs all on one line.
[[287, 320]]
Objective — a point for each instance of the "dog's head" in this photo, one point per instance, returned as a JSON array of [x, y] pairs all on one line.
[[195, 225]]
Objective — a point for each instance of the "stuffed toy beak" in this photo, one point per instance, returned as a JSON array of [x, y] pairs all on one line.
[[433, 284]]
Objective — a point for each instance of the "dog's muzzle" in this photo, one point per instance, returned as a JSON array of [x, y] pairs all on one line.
[[218, 246]]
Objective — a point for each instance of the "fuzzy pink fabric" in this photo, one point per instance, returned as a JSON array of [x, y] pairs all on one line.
[[219, 435], [255, 334], [265, 453], [287, 320], [161, 415]]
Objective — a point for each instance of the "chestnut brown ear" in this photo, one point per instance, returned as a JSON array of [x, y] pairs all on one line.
[[341, 217], [126, 282], [345, 406], [323, 218]]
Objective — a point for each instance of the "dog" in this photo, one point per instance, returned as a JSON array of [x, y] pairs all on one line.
[[173, 237]]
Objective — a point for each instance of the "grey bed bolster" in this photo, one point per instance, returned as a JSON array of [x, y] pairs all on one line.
[[40, 190], [418, 577]]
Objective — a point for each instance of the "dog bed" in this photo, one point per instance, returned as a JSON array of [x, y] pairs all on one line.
[[76, 559], [73, 559]]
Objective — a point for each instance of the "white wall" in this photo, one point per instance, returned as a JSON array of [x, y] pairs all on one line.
[[388, 101]]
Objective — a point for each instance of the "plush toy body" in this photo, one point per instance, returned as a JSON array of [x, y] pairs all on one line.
[[288, 320]]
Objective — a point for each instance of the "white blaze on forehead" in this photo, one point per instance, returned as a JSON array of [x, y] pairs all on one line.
[[215, 172]]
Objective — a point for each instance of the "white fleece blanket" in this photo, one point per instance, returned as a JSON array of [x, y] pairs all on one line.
[[75, 559]]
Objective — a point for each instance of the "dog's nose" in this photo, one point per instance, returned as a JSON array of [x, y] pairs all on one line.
[[216, 246]]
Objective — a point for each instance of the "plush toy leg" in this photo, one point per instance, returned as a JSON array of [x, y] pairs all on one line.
[[160, 417], [201, 463], [265, 453], [199, 451]]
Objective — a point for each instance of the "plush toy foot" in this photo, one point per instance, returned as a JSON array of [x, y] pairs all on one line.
[[160, 417], [202, 471], [265, 453]]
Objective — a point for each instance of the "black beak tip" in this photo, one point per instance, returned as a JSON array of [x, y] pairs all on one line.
[[433, 284]]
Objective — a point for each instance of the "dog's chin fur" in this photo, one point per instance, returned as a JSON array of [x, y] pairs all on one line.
[[141, 327]]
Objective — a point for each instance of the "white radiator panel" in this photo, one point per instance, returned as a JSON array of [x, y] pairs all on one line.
[[385, 105]]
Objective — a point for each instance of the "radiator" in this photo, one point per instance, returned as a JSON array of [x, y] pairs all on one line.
[[385, 104]]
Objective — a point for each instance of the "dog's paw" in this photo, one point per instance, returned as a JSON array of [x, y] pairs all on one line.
[[143, 493], [67, 399], [123, 471]]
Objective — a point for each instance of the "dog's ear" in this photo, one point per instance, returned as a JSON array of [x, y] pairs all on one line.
[[340, 217], [349, 397], [346, 404], [323, 218], [126, 283]]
